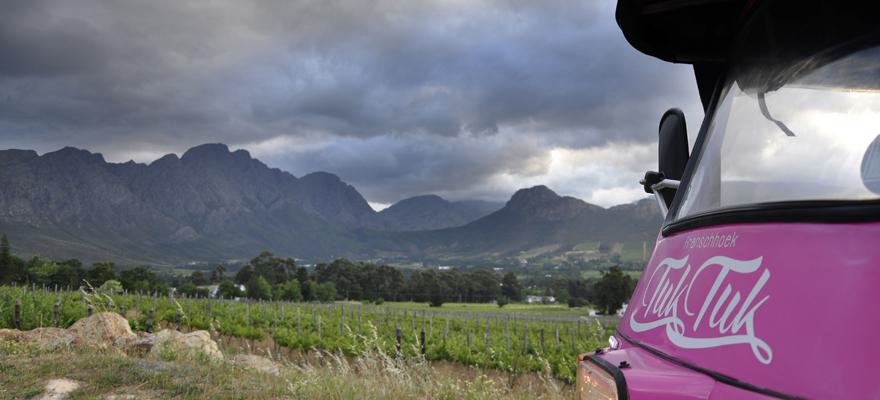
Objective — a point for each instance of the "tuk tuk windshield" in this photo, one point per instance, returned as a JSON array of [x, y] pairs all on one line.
[[809, 130]]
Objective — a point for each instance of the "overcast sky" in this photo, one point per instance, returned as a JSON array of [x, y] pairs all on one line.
[[469, 99]]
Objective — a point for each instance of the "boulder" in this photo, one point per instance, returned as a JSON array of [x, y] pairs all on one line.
[[259, 363], [50, 338], [166, 338], [125, 342], [101, 329], [10, 335]]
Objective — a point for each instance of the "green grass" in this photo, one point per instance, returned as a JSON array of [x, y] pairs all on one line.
[[635, 252], [538, 251], [587, 246]]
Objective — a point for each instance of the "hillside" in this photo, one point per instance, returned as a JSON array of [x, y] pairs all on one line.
[[208, 204], [538, 217], [430, 212]]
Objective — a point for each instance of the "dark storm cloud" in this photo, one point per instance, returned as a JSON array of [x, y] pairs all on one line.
[[404, 97]]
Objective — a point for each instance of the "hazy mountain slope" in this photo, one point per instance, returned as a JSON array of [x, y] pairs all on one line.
[[433, 212], [537, 217]]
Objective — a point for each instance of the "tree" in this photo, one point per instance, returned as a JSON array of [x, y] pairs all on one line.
[[511, 288], [110, 284], [198, 278], [139, 278], [325, 291], [612, 290], [288, 291], [346, 276], [5, 259], [244, 275], [436, 296], [101, 272], [228, 290], [302, 274], [218, 274], [190, 290], [483, 286], [258, 288], [274, 269]]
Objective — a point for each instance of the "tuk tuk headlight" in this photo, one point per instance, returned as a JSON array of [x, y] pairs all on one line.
[[598, 379]]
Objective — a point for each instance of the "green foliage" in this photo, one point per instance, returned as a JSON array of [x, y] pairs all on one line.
[[229, 319], [228, 290], [258, 288], [218, 274], [191, 290], [109, 285], [436, 297], [198, 278], [614, 289], [577, 302], [100, 273], [5, 259], [244, 275], [324, 292], [140, 279], [288, 291], [511, 288], [273, 269], [379, 301], [502, 301]]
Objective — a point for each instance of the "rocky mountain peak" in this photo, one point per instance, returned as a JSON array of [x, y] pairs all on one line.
[[72, 154], [541, 203], [205, 150], [529, 197]]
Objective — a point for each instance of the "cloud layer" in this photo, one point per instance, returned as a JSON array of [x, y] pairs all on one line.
[[465, 99]]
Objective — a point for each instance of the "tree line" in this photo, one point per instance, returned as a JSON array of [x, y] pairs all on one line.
[[269, 277]]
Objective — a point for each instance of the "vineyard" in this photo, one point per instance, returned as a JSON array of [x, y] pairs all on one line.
[[510, 342]]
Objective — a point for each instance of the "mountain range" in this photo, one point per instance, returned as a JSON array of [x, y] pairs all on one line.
[[213, 204]]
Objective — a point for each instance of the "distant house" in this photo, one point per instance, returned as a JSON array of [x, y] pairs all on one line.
[[621, 310], [540, 299]]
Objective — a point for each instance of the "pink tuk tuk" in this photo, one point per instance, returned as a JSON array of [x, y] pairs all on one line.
[[761, 283]]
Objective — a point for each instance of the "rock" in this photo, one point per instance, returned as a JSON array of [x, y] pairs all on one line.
[[147, 344], [125, 341], [101, 329], [194, 341], [50, 338], [259, 363], [58, 389], [10, 335]]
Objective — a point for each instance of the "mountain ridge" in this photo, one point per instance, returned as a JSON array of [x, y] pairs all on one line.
[[214, 204]]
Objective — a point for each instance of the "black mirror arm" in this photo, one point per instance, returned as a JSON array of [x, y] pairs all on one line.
[[762, 104]]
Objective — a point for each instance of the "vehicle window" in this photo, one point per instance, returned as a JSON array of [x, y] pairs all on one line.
[[812, 138]]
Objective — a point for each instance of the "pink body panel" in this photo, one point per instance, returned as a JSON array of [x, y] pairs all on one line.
[[785, 307]]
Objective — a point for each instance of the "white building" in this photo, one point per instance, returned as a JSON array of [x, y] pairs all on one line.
[[540, 299]]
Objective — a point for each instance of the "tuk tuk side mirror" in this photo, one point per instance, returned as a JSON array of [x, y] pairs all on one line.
[[673, 155]]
